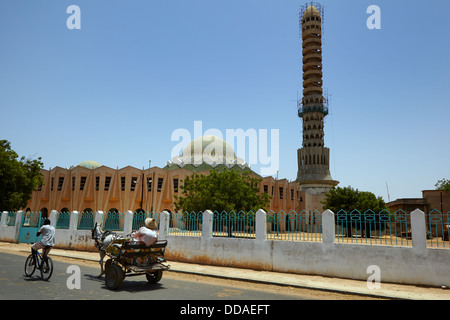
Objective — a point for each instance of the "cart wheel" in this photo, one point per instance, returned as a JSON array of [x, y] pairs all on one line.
[[154, 277], [114, 277], [107, 264]]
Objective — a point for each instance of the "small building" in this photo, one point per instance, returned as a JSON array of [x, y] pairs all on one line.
[[431, 200], [435, 204]]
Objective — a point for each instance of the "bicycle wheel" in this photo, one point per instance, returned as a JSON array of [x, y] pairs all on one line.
[[46, 268], [30, 266]]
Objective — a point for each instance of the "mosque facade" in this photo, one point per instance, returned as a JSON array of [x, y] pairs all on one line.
[[90, 186]]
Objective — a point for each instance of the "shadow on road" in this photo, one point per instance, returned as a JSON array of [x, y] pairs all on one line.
[[128, 285]]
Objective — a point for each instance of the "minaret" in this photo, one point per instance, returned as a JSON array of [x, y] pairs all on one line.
[[313, 158]]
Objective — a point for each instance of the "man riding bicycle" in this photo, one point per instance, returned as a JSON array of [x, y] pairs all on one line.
[[47, 240]]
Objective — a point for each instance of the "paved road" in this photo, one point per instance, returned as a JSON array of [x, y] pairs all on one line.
[[14, 285]]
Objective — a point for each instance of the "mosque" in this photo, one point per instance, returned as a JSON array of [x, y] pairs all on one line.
[[90, 186]]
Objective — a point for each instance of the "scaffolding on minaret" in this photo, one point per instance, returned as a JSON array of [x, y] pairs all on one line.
[[313, 157]]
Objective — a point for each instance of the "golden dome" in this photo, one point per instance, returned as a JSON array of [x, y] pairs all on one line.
[[311, 11]]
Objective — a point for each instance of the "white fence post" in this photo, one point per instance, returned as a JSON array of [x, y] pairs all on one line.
[[17, 225], [260, 225], [18, 220], [53, 217], [98, 218], [418, 230], [207, 224], [328, 227], [73, 222], [164, 221], [4, 218], [128, 222]]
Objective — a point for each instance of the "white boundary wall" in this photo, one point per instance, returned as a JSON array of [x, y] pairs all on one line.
[[409, 265]]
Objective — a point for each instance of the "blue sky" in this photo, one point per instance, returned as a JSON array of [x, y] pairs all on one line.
[[115, 90]]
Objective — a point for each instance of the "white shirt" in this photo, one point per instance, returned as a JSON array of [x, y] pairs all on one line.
[[48, 235], [146, 236]]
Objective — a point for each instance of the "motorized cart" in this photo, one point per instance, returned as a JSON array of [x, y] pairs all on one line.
[[130, 258]]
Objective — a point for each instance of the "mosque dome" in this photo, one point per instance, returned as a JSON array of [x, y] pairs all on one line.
[[89, 164], [209, 146], [209, 150]]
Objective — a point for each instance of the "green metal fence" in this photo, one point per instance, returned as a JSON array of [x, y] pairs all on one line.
[[294, 226], [234, 224], [225, 224], [139, 219], [63, 221], [11, 219], [438, 227], [374, 228], [112, 221], [86, 221], [368, 227], [185, 223], [31, 219]]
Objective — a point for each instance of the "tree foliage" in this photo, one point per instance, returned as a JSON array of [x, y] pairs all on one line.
[[443, 185], [226, 190], [360, 210], [18, 178], [349, 199]]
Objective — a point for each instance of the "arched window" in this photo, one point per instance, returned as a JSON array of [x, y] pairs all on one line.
[[44, 212]]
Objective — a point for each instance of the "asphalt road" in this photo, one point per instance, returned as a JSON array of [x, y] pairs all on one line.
[[15, 285]]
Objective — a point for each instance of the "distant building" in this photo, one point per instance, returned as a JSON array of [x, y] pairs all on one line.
[[436, 206], [431, 200]]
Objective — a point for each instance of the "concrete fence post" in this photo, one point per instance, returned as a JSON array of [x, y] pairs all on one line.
[[3, 227], [98, 218], [17, 225], [4, 218], [127, 222], [418, 230], [328, 227], [207, 224], [260, 225], [164, 221], [18, 221], [73, 222], [53, 217]]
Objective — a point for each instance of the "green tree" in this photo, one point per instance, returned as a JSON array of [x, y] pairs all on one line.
[[228, 192], [350, 203], [443, 185], [18, 178], [349, 199]]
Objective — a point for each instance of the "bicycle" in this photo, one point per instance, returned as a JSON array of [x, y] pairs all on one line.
[[43, 263]]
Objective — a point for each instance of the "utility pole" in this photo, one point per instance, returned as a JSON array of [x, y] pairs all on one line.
[[146, 201]]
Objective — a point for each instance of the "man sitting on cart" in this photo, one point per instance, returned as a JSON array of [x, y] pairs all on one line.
[[147, 234]]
